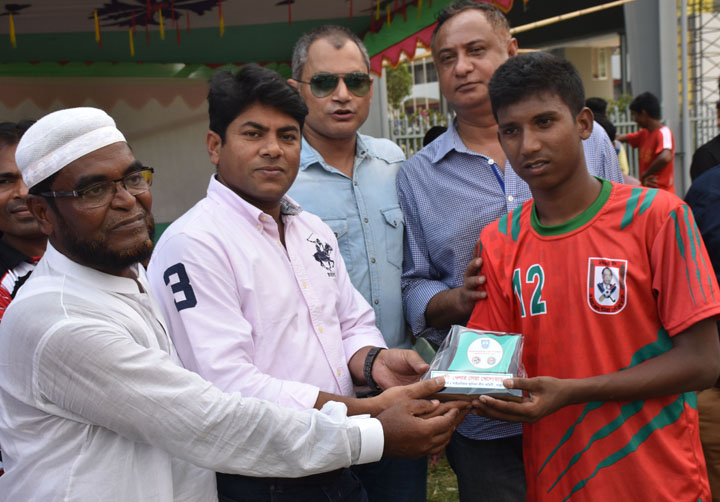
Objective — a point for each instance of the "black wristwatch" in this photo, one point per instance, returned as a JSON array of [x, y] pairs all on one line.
[[367, 368]]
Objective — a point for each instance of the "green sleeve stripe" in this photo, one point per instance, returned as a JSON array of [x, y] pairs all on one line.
[[678, 236], [681, 248], [662, 344], [708, 271], [667, 416], [630, 206], [515, 229], [502, 224], [693, 251], [648, 200], [626, 411]]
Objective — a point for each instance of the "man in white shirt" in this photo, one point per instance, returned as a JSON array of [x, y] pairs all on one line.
[[94, 404], [254, 289]]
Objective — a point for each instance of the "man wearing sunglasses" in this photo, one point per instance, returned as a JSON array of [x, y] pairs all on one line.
[[348, 179]]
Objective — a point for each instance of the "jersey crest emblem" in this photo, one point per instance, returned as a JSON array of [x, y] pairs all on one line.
[[322, 254], [607, 292]]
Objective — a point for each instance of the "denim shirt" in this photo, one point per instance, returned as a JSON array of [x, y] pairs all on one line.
[[364, 213]]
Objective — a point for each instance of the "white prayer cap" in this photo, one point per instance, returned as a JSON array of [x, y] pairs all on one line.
[[60, 138]]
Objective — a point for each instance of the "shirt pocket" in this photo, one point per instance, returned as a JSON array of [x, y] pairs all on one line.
[[339, 226], [394, 229]]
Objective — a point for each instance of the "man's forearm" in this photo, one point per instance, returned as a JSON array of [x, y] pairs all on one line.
[[658, 163], [445, 309], [691, 364]]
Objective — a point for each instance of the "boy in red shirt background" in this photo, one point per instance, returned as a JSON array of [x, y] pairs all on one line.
[[655, 141]]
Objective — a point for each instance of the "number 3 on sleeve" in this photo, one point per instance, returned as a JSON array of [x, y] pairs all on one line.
[[182, 285]]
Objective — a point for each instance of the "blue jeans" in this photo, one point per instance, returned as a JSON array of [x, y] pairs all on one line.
[[488, 470], [394, 479], [345, 488]]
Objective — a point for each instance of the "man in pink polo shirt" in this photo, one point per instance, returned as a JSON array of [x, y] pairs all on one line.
[[255, 290]]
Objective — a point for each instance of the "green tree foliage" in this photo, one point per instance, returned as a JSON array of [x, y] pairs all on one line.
[[399, 84]]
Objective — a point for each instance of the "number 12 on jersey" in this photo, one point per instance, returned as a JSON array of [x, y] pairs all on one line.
[[535, 275]]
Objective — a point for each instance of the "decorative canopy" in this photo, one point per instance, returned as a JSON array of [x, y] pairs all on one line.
[[187, 38]]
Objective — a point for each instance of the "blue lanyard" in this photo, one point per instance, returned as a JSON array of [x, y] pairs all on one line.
[[498, 176]]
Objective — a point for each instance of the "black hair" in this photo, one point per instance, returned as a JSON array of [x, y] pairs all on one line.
[[493, 15], [609, 127], [11, 132], [597, 105], [536, 73], [432, 134], [646, 101], [335, 35], [230, 95]]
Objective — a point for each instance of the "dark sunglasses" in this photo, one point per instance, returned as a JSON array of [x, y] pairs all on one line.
[[323, 84]]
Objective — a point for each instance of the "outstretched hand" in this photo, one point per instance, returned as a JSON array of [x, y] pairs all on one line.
[[542, 397], [415, 428], [398, 367]]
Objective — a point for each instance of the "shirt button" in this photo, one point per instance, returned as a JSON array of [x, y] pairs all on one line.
[[339, 371], [377, 301], [491, 161], [511, 198], [259, 227], [372, 260], [304, 285], [365, 220], [262, 217], [320, 329], [355, 183]]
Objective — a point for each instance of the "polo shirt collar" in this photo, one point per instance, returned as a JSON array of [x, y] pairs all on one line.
[[223, 195]]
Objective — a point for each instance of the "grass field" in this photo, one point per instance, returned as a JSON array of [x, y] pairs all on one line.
[[441, 483]]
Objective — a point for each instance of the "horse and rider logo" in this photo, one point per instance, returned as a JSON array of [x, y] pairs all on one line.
[[607, 293], [322, 254]]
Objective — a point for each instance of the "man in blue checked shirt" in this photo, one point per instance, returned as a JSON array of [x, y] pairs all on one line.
[[448, 192], [348, 179]]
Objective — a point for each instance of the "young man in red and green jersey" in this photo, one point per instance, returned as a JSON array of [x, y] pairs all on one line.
[[613, 289]]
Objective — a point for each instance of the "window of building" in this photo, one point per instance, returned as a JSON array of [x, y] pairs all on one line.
[[599, 63]]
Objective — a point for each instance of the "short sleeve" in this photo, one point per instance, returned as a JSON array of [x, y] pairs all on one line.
[[664, 140], [635, 139], [683, 278]]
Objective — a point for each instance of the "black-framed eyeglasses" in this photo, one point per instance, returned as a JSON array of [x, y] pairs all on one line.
[[323, 84], [101, 193]]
